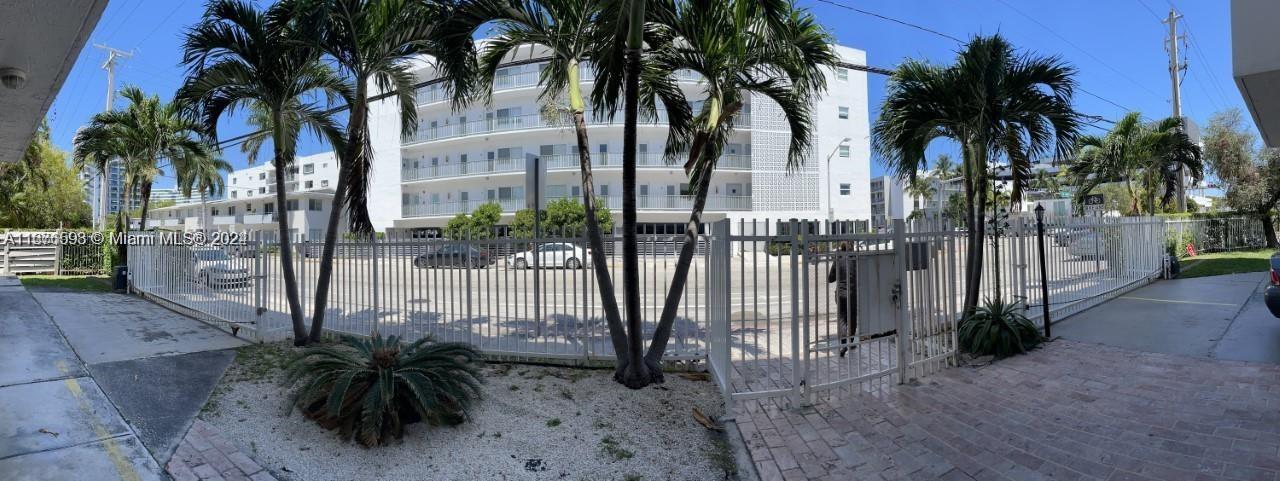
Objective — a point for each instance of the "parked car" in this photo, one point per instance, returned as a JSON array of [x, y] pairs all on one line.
[[556, 254], [212, 267], [248, 251], [1087, 245], [1272, 294], [452, 255]]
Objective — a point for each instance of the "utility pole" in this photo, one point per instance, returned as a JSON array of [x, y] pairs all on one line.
[[113, 56], [1175, 68]]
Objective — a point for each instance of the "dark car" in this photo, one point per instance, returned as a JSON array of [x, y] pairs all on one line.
[[1272, 295], [452, 255]]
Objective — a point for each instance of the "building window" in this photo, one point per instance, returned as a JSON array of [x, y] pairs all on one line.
[[308, 184], [291, 205], [844, 150], [233, 194], [231, 210], [314, 204], [309, 168], [845, 189], [233, 181], [262, 176], [842, 74], [844, 112], [269, 207], [262, 190], [324, 183]]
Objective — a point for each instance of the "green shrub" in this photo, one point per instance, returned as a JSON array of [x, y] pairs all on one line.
[[998, 328], [371, 388]]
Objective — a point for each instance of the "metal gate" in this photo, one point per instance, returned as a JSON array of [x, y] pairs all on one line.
[[785, 290]]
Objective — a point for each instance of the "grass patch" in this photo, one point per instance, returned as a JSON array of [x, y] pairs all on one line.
[[613, 449], [1222, 263], [75, 283], [553, 422]]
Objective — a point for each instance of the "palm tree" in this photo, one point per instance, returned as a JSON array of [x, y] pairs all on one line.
[[240, 57], [922, 190], [203, 176], [995, 103], [155, 133], [740, 47], [1133, 151], [943, 167], [371, 43], [568, 29]]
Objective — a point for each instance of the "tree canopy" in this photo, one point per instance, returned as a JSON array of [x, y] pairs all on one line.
[[41, 191]]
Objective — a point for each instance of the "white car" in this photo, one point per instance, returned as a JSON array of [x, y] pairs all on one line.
[[212, 267], [1087, 245], [556, 254]]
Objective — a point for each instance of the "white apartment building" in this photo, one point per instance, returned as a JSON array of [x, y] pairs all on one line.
[[249, 204], [888, 202], [458, 160]]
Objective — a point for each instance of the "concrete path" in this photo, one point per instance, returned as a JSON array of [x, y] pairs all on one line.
[[1219, 316], [125, 401], [1068, 411]]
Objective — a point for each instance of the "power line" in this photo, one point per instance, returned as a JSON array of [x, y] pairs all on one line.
[[1152, 11], [894, 20], [123, 21], [1077, 47], [162, 22]]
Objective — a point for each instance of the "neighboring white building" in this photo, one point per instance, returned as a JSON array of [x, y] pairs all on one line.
[[888, 202], [249, 205], [309, 173], [457, 161]]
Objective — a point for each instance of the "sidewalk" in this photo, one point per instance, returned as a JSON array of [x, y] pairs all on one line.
[[98, 383]]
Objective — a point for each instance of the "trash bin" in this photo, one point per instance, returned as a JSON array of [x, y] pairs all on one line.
[[120, 278]]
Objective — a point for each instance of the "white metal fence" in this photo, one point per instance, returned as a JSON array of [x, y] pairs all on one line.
[[763, 305], [51, 252], [1215, 234]]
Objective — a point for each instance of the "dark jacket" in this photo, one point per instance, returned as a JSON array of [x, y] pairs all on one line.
[[843, 272]]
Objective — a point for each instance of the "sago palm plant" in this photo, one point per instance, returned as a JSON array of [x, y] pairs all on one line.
[[999, 329], [370, 388]]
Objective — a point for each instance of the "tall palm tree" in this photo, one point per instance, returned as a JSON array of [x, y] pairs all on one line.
[[370, 42], [995, 103], [569, 31], [99, 145], [1145, 156], [740, 47], [629, 80], [203, 176], [239, 57], [922, 190], [943, 167], [156, 134]]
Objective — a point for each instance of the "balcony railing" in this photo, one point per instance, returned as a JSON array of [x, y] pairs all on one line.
[[250, 219], [436, 93], [643, 202], [562, 162], [224, 219], [458, 207], [519, 122]]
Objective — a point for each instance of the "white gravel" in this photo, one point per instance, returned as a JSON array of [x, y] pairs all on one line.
[[509, 438]]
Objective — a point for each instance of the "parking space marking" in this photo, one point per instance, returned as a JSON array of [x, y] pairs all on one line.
[[1174, 301]]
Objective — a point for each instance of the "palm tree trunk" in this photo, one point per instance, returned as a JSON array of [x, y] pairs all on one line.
[[636, 374], [662, 333], [357, 135], [122, 222], [599, 261], [973, 244], [146, 204], [286, 244]]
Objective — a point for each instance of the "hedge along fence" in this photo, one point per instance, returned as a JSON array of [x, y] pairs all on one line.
[[1212, 233]]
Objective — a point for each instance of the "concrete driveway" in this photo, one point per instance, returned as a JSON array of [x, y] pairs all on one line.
[[98, 383], [1220, 317]]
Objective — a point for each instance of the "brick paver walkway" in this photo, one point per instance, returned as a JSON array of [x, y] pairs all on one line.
[[204, 455], [1068, 411]]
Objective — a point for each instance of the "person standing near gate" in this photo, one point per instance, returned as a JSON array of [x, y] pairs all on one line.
[[843, 273]]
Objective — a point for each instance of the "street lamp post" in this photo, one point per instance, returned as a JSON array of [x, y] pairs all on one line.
[[831, 211], [1044, 272]]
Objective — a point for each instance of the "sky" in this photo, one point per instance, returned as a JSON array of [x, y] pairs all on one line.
[[1116, 45]]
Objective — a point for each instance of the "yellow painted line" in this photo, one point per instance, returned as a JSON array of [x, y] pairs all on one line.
[[1172, 301], [122, 464]]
